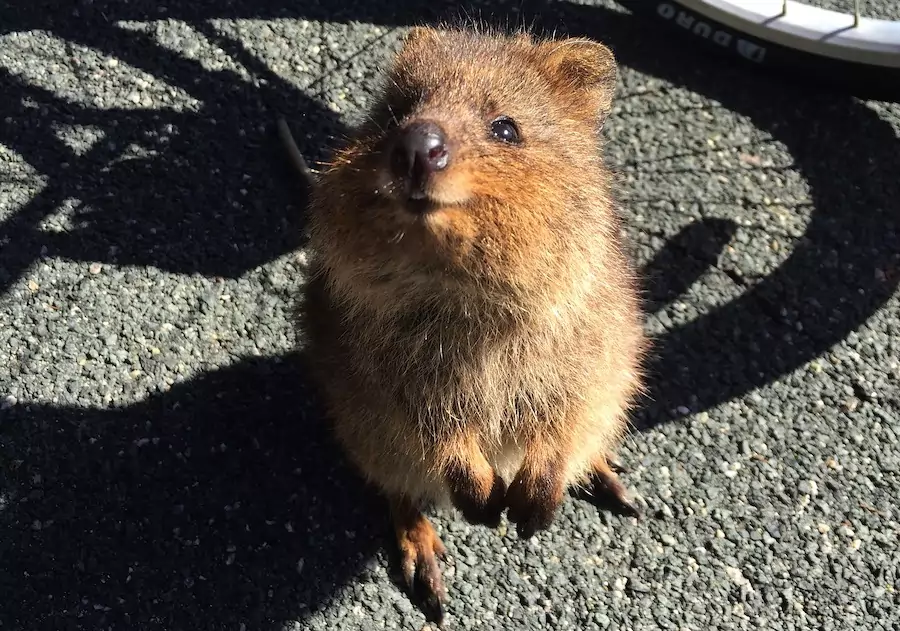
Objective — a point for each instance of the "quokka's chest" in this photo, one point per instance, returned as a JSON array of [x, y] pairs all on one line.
[[495, 389]]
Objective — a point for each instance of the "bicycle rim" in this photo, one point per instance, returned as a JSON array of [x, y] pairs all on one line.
[[859, 53], [810, 29]]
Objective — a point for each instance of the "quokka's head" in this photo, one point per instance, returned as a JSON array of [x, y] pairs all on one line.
[[478, 167]]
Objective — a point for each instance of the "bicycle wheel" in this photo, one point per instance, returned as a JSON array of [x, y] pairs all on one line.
[[845, 49]]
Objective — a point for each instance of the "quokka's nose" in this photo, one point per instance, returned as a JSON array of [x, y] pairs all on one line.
[[421, 149]]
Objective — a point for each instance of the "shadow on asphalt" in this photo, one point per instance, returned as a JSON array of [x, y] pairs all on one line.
[[218, 503], [153, 522]]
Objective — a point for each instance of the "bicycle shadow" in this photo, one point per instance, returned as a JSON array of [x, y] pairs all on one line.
[[217, 170], [93, 518]]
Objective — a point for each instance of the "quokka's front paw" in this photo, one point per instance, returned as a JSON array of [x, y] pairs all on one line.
[[484, 509], [533, 501]]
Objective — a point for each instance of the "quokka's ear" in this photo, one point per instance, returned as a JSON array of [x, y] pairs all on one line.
[[419, 35], [584, 66]]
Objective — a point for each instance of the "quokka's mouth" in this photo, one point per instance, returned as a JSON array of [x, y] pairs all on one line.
[[421, 205]]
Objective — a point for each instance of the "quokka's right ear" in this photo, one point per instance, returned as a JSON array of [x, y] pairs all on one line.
[[419, 35]]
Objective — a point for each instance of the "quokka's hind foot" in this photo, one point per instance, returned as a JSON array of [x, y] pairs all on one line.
[[607, 486], [420, 550]]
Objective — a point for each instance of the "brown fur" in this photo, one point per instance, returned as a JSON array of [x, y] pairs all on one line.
[[497, 339]]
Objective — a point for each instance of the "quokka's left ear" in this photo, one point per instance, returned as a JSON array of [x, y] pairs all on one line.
[[584, 66]]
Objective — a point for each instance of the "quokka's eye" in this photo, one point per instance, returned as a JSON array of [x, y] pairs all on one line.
[[505, 130]]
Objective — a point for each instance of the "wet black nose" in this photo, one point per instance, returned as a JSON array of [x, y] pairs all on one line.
[[421, 150]]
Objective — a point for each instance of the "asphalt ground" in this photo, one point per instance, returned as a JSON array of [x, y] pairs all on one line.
[[164, 463]]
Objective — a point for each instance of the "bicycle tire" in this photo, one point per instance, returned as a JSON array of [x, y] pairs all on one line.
[[842, 58]]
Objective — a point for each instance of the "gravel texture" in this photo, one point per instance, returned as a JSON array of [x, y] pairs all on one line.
[[163, 464], [879, 9]]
